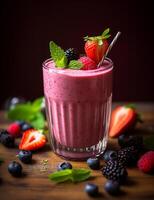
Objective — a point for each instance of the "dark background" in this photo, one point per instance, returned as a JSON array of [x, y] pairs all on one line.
[[28, 26]]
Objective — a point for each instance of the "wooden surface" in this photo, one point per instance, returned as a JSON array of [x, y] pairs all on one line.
[[35, 185]]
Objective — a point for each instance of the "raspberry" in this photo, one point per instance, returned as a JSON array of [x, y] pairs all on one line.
[[88, 63], [14, 129], [146, 162]]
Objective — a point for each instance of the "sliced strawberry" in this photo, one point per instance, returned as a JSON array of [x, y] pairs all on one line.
[[32, 139], [96, 47], [122, 118]]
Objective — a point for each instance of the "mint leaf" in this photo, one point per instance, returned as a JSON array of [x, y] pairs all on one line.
[[37, 121], [74, 64], [21, 112], [106, 32], [29, 112], [149, 142], [61, 176], [58, 55], [74, 175], [62, 63], [80, 175], [37, 104]]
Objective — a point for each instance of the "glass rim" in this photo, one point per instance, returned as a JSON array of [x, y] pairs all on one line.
[[69, 71]]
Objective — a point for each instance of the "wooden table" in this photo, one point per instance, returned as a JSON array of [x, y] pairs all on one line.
[[35, 185]]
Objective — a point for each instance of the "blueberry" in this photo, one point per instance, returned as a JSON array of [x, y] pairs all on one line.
[[93, 163], [64, 165], [110, 155], [12, 102], [26, 127], [112, 187], [25, 156], [15, 168], [91, 189], [20, 123], [6, 139]]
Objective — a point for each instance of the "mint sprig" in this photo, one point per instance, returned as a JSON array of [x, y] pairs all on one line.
[[60, 59], [29, 112], [58, 55], [74, 64], [74, 175]]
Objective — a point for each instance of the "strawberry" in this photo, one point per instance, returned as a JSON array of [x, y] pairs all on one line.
[[14, 129], [122, 118], [95, 47], [146, 162], [88, 63], [32, 140]]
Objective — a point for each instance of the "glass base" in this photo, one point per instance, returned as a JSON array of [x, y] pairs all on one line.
[[80, 154]]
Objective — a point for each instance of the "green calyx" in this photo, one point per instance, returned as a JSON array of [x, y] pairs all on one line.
[[60, 59], [100, 38]]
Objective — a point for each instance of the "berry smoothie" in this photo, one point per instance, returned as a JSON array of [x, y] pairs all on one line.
[[78, 108]]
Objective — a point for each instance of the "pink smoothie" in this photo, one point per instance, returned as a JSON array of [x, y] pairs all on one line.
[[78, 107]]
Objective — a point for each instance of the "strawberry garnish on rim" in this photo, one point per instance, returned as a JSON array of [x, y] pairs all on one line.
[[96, 46], [122, 118], [32, 140]]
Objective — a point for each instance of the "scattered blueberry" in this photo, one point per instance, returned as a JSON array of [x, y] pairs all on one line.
[[112, 187], [110, 155], [64, 165], [25, 156], [91, 189], [6, 139], [93, 163], [15, 168], [26, 127]]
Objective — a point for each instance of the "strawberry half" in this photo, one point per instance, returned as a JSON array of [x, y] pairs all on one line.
[[122, 118], [32, 140], [95, 47]]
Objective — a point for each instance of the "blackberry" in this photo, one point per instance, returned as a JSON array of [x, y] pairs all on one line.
[[128, 156], [114, 170], [71, 54], [130, 140]]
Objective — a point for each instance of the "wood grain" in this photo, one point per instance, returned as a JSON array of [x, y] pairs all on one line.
[[35, 185]]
